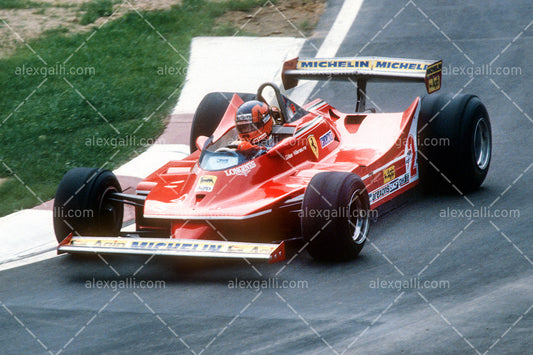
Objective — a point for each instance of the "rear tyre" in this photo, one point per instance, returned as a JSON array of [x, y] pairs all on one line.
[[210, 112], [81, 205], [454, 136], [335, 216]]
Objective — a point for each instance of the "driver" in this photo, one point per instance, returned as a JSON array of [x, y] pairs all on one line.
[[254, 123]]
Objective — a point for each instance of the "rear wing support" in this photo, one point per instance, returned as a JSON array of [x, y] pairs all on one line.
[[361, 70], [361, 95]]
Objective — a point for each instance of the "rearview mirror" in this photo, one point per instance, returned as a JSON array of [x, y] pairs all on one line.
[[200, 142]]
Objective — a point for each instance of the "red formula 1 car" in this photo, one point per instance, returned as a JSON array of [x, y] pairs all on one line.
[[314, 188]]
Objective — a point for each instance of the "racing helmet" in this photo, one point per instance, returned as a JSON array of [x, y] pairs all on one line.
[[254, 121]]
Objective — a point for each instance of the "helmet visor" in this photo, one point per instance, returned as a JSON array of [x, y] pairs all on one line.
[[246, 125]]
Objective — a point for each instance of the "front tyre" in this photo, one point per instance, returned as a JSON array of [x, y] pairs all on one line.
[[335, 216], [82, 206]]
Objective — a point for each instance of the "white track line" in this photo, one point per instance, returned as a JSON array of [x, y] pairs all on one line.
[[29, 260], [233, 64], [331, 44], [152, 159]]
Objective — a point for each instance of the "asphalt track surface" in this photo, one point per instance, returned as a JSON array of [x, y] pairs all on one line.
[[486, 304]]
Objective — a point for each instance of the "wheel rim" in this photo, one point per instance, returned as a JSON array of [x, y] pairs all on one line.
[[108, 212], [358, 223], [482, 144]]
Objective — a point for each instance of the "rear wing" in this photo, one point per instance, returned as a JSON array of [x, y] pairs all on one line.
[[363, 69]]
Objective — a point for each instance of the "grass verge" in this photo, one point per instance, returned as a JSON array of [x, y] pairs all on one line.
[[20, 4], [109, 90], [96, 9]]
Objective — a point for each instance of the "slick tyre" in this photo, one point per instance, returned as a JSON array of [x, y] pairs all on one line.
[[210, 112], [455, 143], [335, 216], [81, 205]]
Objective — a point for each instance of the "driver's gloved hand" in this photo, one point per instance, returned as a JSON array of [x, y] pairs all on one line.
[[245, 146]]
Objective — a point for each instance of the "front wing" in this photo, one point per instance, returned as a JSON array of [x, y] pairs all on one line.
[[172, 247]]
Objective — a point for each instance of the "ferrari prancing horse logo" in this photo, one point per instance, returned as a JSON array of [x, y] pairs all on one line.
[[312, 143]]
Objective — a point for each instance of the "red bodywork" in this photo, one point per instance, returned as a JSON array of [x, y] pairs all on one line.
[[260, 199]]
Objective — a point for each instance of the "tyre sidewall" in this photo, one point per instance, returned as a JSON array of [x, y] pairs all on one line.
[[331, 238], [455, 160], [474, 112], [81, 193]]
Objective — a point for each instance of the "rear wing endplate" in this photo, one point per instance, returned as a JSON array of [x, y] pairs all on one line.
[[360, 70]]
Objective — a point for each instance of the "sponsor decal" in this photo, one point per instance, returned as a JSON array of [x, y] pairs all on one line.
[[104, 243], [335, 63], [313, 145], [434, 77], [369, 64], [222, 160], [389, 188], [389, 174], [399, 65], [410, 160], [326, 139], [206, 183], [177, 246], [246, 117], [241, 170], [295, 153]]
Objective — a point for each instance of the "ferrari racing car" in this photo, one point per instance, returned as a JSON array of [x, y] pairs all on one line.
[[314, 189]]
